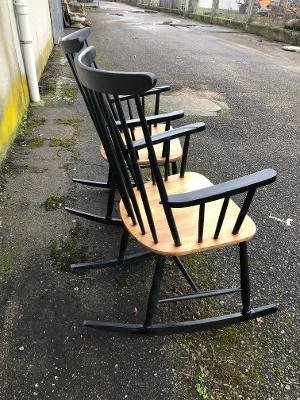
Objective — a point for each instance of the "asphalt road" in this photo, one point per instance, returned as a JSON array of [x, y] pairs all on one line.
[[45, 352], [260, 85]]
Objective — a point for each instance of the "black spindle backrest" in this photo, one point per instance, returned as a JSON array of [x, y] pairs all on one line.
[[101, 83], [72, 44]]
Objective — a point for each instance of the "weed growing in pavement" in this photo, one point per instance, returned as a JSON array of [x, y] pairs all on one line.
[[200, 386]]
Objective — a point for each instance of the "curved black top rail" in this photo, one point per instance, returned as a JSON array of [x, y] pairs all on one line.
[[112, 82], [74, 42]]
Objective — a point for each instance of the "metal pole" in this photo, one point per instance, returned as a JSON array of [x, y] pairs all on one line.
[[25, 37]]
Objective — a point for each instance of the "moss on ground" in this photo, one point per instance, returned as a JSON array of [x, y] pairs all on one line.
[[69, 121], [27, 127], [61, 89], [6, 263], [7, 164], [67, 92], [65, 253], [60, 142], [55, 87], [36, 141], [51, 86], [223, 363], [68, 144], [24, 135], [24, 138], [242, 361], [54, 202]]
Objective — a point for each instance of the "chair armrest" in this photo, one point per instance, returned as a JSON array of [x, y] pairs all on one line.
[[169, 135], [224, 189], [155, 90], [153, 119]]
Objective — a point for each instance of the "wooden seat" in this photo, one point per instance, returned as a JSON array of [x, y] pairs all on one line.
[[143, 160], [186, 220]]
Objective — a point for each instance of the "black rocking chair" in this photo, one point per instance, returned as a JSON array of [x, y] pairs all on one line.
[[72, 44], [171, 215]]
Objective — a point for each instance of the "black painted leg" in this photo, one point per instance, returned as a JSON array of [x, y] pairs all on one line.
[[154, 291], [123, 244], [174, 168], [245, 281], [152, 177], [110, 202], [185, 273]]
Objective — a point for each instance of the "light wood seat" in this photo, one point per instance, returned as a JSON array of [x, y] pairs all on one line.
[[187, 220], [175, 147]]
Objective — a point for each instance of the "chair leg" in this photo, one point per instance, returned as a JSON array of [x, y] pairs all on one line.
[[245, 281], [154, 291], [185, 273], [174, 168], [110, 202], [123, 244]]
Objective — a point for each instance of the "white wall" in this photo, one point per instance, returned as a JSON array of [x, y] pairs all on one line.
[[223, 4], [13, 85], [10, 52], [41, 28]]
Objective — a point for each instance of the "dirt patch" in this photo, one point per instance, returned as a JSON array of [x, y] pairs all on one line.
[[194, 102]]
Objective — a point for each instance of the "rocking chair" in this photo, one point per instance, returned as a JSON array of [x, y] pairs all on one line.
[[72, 44], [170, 215]]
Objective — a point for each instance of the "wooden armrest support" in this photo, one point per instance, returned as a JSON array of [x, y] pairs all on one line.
[[224, 189]]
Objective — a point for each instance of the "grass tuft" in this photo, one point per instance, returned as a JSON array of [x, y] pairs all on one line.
[[54, 202]]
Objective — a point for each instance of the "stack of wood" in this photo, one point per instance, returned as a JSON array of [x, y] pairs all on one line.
[[74, 14]]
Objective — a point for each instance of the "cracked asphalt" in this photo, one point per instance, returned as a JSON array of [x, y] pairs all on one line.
[[45, 352]]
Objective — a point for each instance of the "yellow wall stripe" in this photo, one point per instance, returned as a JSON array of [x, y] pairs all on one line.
[[12, 112]]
